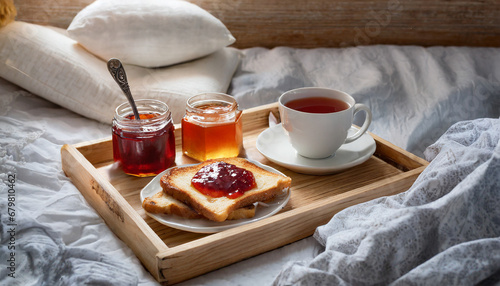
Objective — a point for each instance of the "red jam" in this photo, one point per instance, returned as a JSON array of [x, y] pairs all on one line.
[[222, 179], [142, 116], [147, 152]]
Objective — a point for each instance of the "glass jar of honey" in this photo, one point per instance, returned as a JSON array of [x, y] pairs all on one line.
[[143, 147], [211, 127]]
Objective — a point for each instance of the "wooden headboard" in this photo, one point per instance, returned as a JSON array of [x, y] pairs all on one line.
[[325, 23]]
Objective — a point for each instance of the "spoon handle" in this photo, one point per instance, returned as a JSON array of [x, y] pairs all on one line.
[[117, 71]]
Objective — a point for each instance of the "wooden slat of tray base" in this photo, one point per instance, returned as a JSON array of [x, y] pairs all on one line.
[[286, 227], [172, 255]]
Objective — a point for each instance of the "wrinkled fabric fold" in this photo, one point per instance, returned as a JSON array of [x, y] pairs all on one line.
[[53, 235], [415, 93], [444, 230], [43, 259]]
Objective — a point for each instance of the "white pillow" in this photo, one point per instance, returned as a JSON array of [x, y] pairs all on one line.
[[148, 33], [47, 63]]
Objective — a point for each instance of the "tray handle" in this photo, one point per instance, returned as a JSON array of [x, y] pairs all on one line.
[[120, 217]]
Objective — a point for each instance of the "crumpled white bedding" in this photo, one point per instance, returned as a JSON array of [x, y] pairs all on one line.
[[55, 236], [415, 93], [445, 230]]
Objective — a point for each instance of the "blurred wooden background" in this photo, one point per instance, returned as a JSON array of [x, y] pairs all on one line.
[[325, 23]]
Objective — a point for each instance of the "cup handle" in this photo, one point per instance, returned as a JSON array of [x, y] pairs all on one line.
[[360, 107]]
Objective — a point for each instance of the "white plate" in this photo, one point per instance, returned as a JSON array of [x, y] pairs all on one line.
[[208, 226], [274, 145]]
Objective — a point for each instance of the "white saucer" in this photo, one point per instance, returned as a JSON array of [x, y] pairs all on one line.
[[206, 226], [274, 145]]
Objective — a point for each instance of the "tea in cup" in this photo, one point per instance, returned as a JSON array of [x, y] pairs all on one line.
[[317, 120]]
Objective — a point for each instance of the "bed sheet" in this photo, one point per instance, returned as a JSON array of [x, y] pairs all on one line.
[[415, 93]]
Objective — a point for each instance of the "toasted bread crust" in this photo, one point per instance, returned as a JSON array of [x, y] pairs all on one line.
[[161, 203], [177, 183], [241, 213]]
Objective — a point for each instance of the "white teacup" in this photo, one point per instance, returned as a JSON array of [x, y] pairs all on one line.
[[320, 135]]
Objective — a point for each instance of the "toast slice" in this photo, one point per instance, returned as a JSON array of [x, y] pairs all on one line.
[[177, 183], [161, 203]]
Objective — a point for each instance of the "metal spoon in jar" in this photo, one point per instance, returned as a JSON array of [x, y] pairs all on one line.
[[117, 71]]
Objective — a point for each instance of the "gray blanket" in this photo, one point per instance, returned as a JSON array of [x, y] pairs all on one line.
[[445, 230]]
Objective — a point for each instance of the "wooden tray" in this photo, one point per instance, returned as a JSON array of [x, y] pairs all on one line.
[[173, 255]]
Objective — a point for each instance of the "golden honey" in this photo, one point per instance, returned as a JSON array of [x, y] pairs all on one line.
[[211, 127]]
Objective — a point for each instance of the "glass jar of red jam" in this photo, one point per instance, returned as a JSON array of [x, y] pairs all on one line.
[[143, 147], [212, 127]]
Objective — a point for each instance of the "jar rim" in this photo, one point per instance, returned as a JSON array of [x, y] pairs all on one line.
[[124, 110], [210, 97]]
